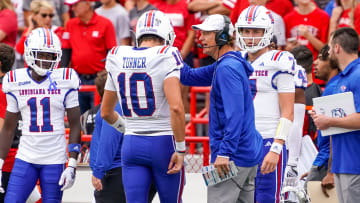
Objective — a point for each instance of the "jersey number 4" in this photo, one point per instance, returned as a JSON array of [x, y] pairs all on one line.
[[45, 103], [134, 81]]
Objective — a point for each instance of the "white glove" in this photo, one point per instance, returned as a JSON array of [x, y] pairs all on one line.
[[67, 178], [1, 165], [291, 176]]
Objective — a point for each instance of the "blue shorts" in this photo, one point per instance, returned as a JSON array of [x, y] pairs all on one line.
[[146, 159], [268, 187], [24, 177]]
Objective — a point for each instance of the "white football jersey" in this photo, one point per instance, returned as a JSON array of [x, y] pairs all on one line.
[[263, 80], [300, 77], [42, 110], [137, 75]]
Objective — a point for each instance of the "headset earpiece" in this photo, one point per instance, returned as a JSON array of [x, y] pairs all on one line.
[[222, 37]]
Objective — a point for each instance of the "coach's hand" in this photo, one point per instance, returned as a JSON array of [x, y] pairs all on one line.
[[270, 162], [327, 183], [96, 183], [176, 163], [222, 165], [67, 178]]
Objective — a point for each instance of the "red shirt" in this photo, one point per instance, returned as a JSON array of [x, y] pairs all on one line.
[[8, 24], [344, 20], [180, 18], [10, 158], [318, 24], [89, 43], [281, 7]]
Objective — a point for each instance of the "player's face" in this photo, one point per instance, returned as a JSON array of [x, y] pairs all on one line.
[[321, 68], [44, 17], [207, 39], [252, 36], [44, 59]]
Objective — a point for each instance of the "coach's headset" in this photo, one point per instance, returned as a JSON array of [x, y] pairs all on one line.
[[222, 37]]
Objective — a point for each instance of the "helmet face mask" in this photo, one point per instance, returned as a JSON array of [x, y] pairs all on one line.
[[42, 51], [155, 23], [254, 18]]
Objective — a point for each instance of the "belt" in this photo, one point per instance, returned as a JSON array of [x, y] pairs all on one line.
[[87, 76]]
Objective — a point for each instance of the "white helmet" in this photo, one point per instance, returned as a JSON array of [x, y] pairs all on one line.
[[42, 40], [255, 16], [156, 23], [299, 195]]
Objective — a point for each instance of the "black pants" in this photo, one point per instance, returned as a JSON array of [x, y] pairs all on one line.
[[113, 189], [4, 183]]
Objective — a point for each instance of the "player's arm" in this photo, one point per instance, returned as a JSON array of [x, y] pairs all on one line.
[[73, 115], [108, 112], [7, 133], [177, 116]]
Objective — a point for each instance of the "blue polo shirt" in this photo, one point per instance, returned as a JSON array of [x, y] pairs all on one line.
[[346, 146], [323, 143]]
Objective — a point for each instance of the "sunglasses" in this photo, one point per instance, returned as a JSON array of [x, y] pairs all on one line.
[[44, 15]]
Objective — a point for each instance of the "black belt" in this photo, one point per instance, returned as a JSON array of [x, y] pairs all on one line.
[[87, 76]]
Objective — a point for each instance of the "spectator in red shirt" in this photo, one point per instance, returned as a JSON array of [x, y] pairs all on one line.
[[85, 42], [342, 15], [182, 20], [41, 15], [307, 25], [8, 23]]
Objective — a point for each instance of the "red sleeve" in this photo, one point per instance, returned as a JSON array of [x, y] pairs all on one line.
[[240, 5], [357, 18], [2, 103], [8, 22], [110, 37], [20, 44]]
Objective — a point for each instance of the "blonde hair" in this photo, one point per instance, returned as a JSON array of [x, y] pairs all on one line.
[[6, 4], [37, 4]]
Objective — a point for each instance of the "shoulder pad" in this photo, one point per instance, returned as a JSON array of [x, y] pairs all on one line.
[[283, 61]]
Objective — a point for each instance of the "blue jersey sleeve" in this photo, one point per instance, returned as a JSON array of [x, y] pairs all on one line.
[[108, 147], [197, 76], [95, 140], [230, 85]]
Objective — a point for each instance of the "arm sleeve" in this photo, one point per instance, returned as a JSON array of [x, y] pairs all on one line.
[[71, 99], [295, 135], [110, 85], [197, 76], [2, 104], [12, 104], [284, 82], [231, 89]]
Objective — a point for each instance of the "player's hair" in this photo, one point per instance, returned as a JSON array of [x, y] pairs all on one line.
[[347, 38], [7, 57], [37, 4], [100, 81], [304, 57], [148, 37], [324, 53]]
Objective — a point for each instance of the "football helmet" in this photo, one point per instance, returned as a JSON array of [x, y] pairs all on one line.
[[299, 194], [42, 50], [156, 23], [255, 16]]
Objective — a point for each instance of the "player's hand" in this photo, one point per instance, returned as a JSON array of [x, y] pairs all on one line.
[[291, 176], [303, 31], [327, 183], [304, 175], [222, 166], [1, 188], [270, 162], [67, 178], [176, 163], [96, 183]]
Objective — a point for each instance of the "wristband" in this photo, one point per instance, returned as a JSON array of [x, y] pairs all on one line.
[[74, 148], [276, 147], [180, 147], [119, 124], [72, 162], [283, 129]]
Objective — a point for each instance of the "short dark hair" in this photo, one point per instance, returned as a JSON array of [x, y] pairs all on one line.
[[7, 57], [324, 53], [147, 37], [347, 38], [304, 57]]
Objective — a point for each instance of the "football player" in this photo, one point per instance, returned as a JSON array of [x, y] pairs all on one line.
[[273, 87], [41, 94], [145, 80]]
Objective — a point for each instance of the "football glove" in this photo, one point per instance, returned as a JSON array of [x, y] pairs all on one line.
[[291, 176], [67, 178]]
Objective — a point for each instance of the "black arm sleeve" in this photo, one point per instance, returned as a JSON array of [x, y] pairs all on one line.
[[65, 58]]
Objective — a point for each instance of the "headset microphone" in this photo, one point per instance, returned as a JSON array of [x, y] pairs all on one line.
[[201, 46]]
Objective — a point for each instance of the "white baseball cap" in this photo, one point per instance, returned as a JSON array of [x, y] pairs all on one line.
[[214, 22], [71, 2]]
